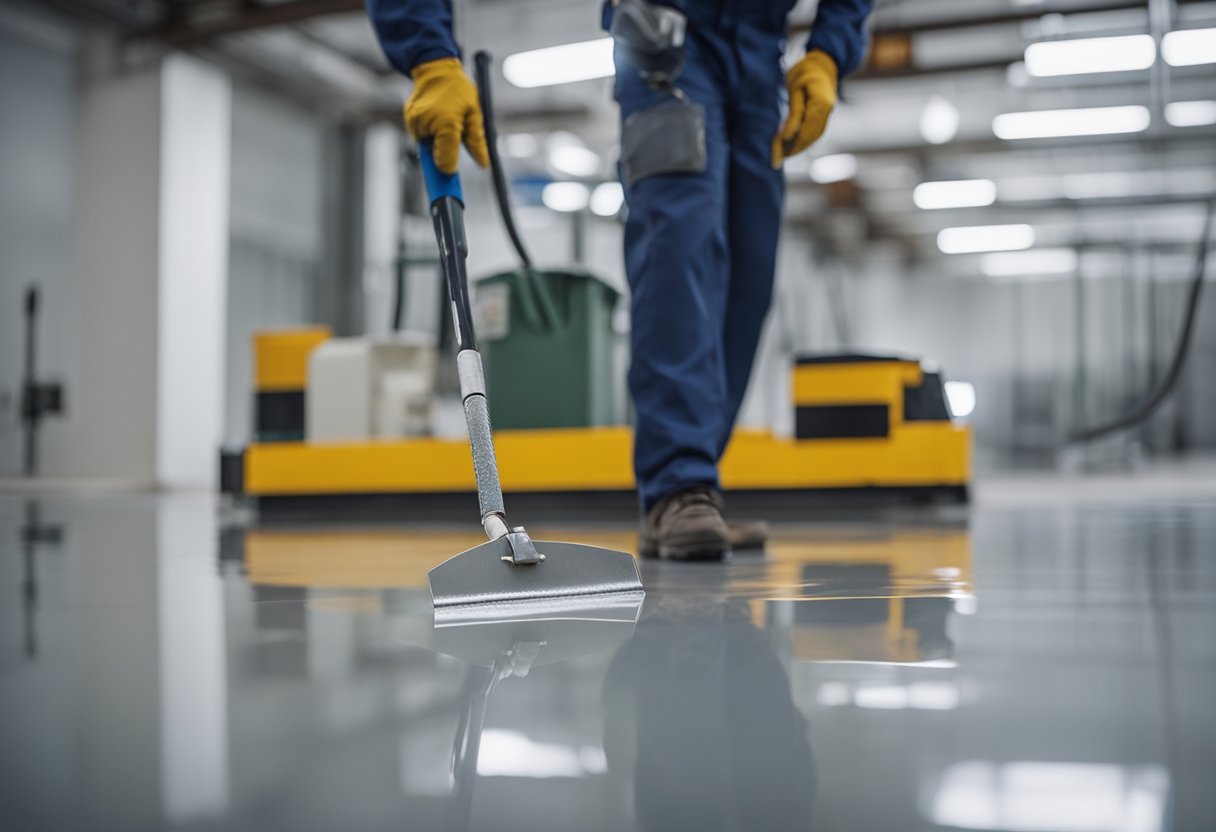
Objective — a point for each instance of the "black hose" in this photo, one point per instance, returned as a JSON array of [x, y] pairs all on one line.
[[483, 61], [1149, 404]]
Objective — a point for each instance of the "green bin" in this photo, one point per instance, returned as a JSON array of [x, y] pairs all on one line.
[[546, 340]]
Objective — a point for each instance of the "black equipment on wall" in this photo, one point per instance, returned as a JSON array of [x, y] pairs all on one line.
[[38, 399], [1148, 405]]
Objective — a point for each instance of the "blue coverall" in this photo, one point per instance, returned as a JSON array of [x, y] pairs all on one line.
[[700, 248]]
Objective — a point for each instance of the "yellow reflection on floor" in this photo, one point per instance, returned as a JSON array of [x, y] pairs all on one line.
[[798, 563]]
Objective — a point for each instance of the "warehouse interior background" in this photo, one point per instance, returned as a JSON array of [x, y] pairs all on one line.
[[258, 148], [1013, 192]]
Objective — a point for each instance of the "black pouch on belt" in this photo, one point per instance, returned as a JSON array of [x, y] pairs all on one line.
[[666, 138]]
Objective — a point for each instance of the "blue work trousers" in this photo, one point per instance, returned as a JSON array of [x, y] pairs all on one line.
[[700, 254]]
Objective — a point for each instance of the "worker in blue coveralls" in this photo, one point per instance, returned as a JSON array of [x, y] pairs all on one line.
[[703, 142]]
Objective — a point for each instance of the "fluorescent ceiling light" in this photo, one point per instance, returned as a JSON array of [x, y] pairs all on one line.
[[1189, 47], [573, 160], [961, 193], [1191, 113], [980, 238], [563, 64], [939, 121], [1090, 121], [607, 198], [961, 396], [566, 197], [835, 168], [1088, 55], [1037, 261]]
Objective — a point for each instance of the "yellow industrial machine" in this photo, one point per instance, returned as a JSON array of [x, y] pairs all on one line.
[[864, 424]]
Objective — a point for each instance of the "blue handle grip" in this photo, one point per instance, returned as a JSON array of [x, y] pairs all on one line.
[[438, 183]]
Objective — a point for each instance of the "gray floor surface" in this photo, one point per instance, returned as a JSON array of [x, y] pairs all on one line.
[[1045, 660]]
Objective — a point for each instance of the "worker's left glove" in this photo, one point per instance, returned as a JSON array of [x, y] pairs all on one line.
[[444, 108], [812, 86]]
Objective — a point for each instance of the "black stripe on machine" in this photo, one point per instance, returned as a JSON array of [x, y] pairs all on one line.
[[279, 416], [926, 403], [850, 358], [842, 421]]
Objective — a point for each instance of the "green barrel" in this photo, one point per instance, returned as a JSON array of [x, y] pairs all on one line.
[[546, 340]]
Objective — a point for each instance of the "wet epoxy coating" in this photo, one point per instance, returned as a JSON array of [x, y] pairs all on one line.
[[1044, 661]]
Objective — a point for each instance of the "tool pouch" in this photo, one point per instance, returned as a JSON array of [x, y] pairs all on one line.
[[650, 37], [666, 138]]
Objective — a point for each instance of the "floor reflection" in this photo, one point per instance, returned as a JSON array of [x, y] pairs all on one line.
[[699, 720], [160, 671]]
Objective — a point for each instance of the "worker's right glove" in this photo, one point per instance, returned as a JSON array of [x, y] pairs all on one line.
[[444, 108]]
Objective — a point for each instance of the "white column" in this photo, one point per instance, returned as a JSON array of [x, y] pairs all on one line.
[[195, 142]]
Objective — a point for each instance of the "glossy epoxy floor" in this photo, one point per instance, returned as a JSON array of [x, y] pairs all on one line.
[[1044, 661]]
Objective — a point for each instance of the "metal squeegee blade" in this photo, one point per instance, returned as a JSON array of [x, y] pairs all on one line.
[[481, 576]]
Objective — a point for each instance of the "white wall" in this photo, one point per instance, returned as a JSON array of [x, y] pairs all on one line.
[[113, 413], [37, 169]]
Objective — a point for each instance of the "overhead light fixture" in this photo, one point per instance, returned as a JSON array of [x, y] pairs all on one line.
[[565, 64], [960, 193], [1026, 263], [574, 160], [978, 239], [835, 168], [1089, 121], [607, 199], [566, 197], [1091, 55], [1189, 47], [1191, 113], [939, 121]]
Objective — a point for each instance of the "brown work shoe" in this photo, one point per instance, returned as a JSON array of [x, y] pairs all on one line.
[[686, 525]]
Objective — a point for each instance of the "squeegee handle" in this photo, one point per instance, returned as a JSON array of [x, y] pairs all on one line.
[[447, 214]]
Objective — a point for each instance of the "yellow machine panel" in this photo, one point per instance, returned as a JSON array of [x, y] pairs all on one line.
[[600, 459], [280, 358]]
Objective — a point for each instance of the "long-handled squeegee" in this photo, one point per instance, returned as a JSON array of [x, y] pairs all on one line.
[[511, 567]]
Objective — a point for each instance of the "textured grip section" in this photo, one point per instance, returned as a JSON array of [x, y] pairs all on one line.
[[489, 492]]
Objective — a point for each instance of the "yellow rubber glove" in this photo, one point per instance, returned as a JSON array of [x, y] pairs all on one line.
[[812, 84], [444, 107]]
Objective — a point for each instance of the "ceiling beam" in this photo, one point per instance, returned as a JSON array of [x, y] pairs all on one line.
[[245, 17]]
